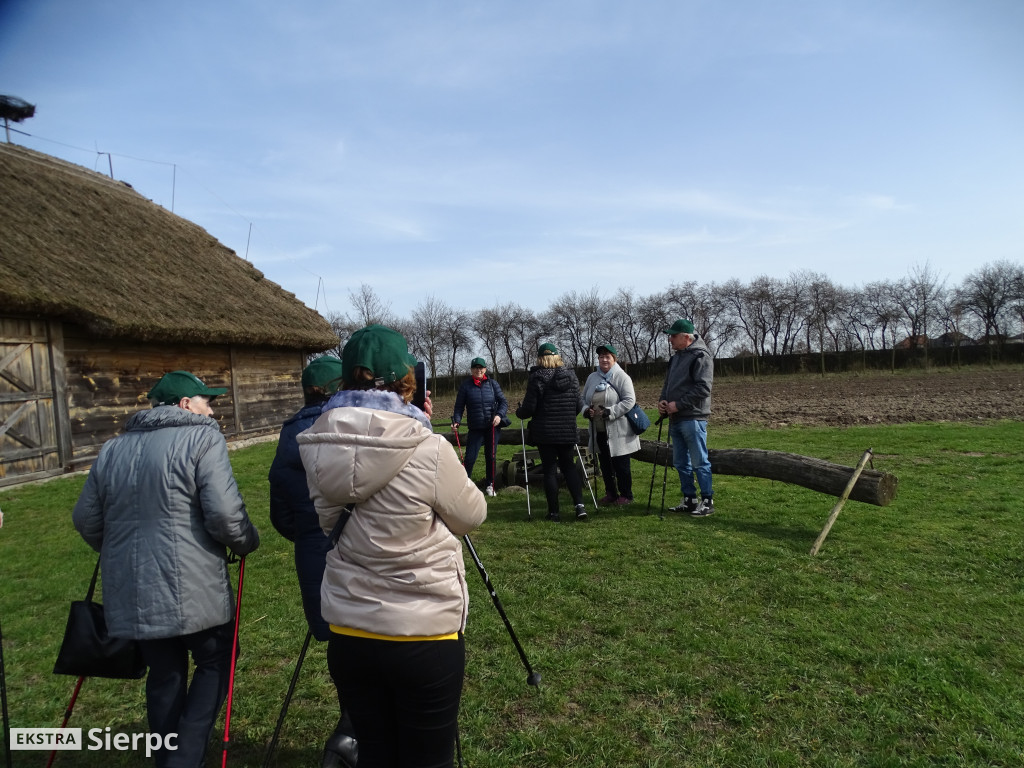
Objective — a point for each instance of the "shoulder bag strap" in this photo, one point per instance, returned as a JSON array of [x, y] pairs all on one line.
[[346, 513], [92, 584]]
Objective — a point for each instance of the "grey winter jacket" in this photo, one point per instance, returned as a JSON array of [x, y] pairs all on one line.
[[553, 400], [691, 374], [160, 505]]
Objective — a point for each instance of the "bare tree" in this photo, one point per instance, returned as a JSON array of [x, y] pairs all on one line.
[[428, 334], [826, 302], [748, 308], [370, 309], [487, 324], [456, 330], [705, 307], [989, 293], [625, 314], [577, 317], [918, 300], [343, 327]]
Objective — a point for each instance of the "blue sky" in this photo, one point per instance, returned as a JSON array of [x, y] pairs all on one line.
[[482, 152]]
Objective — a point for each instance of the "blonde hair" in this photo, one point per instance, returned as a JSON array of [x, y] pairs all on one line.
[[404, 387], [550, 361]]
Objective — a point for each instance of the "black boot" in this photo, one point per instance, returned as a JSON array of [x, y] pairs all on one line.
[[341, 751]]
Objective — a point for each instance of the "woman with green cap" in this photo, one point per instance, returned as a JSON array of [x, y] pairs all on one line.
[[395, 499], [485, 406]]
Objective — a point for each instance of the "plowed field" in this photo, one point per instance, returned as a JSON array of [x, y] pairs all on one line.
[[970, 394], [873, 398]]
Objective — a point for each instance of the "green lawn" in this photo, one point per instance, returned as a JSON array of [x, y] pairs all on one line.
[[675, 642]]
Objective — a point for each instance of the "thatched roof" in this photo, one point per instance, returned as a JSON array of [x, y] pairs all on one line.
[[84, 248]]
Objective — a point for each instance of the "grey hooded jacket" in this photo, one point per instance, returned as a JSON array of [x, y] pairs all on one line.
[[691, 374], [160, 505]]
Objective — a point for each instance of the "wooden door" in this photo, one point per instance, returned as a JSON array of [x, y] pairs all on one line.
[[28, 424]]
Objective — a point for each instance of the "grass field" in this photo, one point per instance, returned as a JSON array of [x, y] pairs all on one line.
[[675, 642]]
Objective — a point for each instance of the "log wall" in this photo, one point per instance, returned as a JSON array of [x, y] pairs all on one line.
[[107, 381]]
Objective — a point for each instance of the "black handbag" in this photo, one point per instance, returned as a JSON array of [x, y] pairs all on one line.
[[88, 651]]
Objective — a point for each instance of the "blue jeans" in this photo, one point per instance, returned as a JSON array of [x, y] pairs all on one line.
[[690, 456]]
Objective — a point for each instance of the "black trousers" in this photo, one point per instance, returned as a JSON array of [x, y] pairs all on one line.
[[553, 458], [403, 698], [618, 477], [487, 438], [188, 709]]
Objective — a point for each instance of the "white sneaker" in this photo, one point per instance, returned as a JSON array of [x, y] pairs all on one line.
[[489, 490]]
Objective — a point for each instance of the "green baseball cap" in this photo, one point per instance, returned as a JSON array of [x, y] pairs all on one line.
[[547, 349], [379, 349], [178, 384], [608, 348], [680, 326], [324, 372], [478, 362]]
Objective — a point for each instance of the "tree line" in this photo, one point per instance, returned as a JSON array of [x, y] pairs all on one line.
[[804, 313]]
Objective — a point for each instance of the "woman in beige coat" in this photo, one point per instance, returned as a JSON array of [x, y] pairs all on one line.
[[608, 396], [394, 590]]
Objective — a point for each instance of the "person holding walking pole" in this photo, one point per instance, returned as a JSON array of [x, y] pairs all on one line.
[[394, 589], [552, 401], [486, 408], [294, 517], [608, 396], [162, 508], [686, 400]]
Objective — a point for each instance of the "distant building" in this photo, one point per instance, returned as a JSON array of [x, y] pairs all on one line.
[[912, 342], [101, 293], [951, 339]]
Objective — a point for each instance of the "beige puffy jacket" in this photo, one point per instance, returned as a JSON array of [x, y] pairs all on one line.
[[398, 567]]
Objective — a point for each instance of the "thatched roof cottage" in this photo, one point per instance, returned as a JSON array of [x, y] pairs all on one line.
[[102, 292]]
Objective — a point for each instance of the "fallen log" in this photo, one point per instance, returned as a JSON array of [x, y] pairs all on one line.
[[872, 487]]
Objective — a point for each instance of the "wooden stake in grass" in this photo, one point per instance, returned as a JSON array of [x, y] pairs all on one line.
[[842, 500]]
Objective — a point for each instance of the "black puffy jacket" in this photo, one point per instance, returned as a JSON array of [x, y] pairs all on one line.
[[552, 400]]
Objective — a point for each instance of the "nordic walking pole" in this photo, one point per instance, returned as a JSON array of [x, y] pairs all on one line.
[[664, 478], [842, 500], [532, 678], [67, 716], [234, 661], [583, 470], [654, 469], [287, 700], [526, 470], [494, 458], [3, 701]]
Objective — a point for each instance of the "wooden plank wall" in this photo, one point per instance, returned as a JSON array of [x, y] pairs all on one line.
[[107, 381], [28, 430], [269, 387]]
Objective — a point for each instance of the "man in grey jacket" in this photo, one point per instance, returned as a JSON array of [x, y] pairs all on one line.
[[161, 506], [686, 400]]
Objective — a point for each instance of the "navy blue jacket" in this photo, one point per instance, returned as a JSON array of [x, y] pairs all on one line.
[[482, 403], [293, 515]]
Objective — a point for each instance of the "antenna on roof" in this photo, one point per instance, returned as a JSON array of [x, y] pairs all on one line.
[[13, 108]]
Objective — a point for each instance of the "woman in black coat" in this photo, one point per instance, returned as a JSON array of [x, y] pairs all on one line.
[[552, 400]]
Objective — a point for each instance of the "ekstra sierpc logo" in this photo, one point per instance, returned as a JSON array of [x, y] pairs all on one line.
[[49, 739]]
